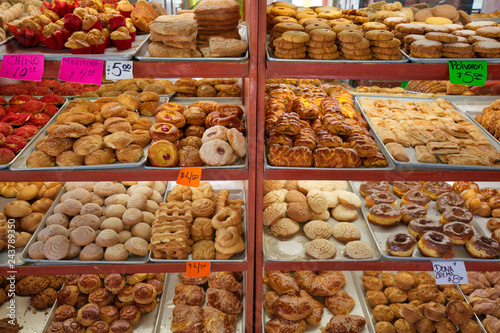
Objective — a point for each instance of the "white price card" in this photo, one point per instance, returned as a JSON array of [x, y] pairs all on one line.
[[119, 70], [450, 272]]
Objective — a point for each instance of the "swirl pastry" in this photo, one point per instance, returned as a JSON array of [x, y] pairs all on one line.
[[285, 228], [201, 229], [114, 283], [317, 229], [203, 250], [64, 312], [87, 283], [228, 242], [202, 208], [88, 314], [144, 293], [82, 235], [57, 247], [321, 249]]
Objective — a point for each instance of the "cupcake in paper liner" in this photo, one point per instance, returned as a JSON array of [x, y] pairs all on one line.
[[106, 34], [98, 5], [97, 41], [27, 32], [121, 39], [78, 43], [91, 22], [131, 29], [54, 36], [72, 22], [125, 8], [60, 7], [52, 16], [117, 21]]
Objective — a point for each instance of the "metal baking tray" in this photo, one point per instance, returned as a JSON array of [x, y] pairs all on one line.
[[414, 164], [142, 53], [147, 323], [132, 259], [240, 163], [20, 164], [271, 57], [27, 316], [445, 60], [111, 53], [294, 248], [37, 137], [352, 289], [167, 306], [381, 233], [234, 193]]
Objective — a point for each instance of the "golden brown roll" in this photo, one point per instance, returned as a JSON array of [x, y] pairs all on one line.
[[69, 158], [30, 222], [98, 129], [149, 109], [126, 295], [88, 314], [41, 205], [87, 283], [194, 130], [117, 124], [142, 124], [118, 140], [114, 283], [64, 312], [130, 154], [68, 295], [131, 314], [120, 326], [54, 146], [88, 144], [91, 252], [144, 293], [39, 159], [109, 313], [101, 297], [141, 137], [113, 109], [101, 156]]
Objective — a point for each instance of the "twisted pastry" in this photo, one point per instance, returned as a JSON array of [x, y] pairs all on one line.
[[227, 217], [221, 200], [228, 242]]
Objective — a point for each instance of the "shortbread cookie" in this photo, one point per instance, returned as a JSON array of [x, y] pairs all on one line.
[[317, 229], [358, 250], [285, 228], [386, 43], [341, 27], [480, 24], [457, 47], [464, 33], [379, 35], [486, 47], [290, 56], [492, 32], [325, 56], [350, 36], [319, 25], [273, 213], [295, 36], [346, 232], [342, 213], [357, 57], [410, 28], [441, 37], [295, 196], [374, 26], [299, 50], [283, 44], [354, 52], [284, 19], [322, 35], [290, 26], [339, 21], [436, 28], [322, 50], [306, 22], [313, 43], [387, 56], [386, 50], [349, 199], [321, 249], [363, 44], [330, 15], [317, 201]]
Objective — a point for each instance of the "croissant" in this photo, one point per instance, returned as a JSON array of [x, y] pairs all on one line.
[[288, 124], [345, 324], [336, 158], [282, 283], [268, 301], [228, 242], [290, 156]]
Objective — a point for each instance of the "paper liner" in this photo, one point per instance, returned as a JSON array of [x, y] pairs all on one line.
[[123, 44], [72, 22], [83, 50], [56, 40], [132, 35], [25, 37], [61, 8], [97, 25], [98, 48], [117, 21], [126, 14]]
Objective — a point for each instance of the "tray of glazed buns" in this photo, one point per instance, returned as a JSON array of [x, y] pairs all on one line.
[[412, 220], [97, 221], [315, 220], [305, 301]]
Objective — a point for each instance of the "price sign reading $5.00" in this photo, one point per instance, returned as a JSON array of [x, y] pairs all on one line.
[[119, 70], [472, 73], [81, 70], [23, 67]]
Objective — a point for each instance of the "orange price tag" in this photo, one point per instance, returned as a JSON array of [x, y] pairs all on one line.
[[197, 268], [189, 177]]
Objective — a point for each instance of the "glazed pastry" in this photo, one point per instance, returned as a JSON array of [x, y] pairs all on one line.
[[163, 153]]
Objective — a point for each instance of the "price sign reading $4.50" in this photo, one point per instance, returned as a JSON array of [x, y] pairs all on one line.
[[119, 70], [23, 67], [472, 73], [197, 268]]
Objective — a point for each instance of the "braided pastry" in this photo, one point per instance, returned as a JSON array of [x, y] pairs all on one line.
[[275, 138], [221, 200], [336, 124], [306, 109], [204, 191], [329, 106], [228, 242], [327, 139], [227, 217], [288, 124], [364, 145], [284, 93], [290, 156], [306, 138], [336, 158], [376, 161]]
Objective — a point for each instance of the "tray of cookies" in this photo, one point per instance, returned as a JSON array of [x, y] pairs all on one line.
[[23, 206], [109, 302], [113, 135], [409, 301], [201, 223], [325, 299], [427, 133], [315, 220], [96, 222], [446, 60], [216, 303], [414, 221], [199, 132]]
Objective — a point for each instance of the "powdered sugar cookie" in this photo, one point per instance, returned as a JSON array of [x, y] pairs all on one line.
[[349, 200], [317, 229], [342, 213], [321, 249], [358, 250], [346, 232]]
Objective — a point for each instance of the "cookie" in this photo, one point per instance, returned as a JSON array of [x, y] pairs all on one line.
[[349, 199], [346, 232], [322, 50], [426, 54], [321, 249], [283, 11], [324, 56], [350, 36], [317, 229], [476, 38], [488, 55], [438, 21], [354, 12], [410, 28], [284, 19], [305, 15], [385, 50], [386, 43], [295, 36], [480, 24], [314, 26], [285, 228], [464, 33], [379, 35], [322, 35], [374, 26], [313, 43], [436, 28], [457, 48], [391, 22], [363, 44], [330, 15], [358, 250], [217, 152], [412, 38], [360, 52], [283, 44], [454, 27], [486, 47], [299, 212], [290, 56], [492, 32], [282, 27], [426, 45], [356, 18], [441, 37], [317, 201], [342, 213], [306, 22], [462, 40], [458, 55], [273, 213], [340, 21], [380, 56], [357, 57], [237, 141], [341, 27], [298, 50]]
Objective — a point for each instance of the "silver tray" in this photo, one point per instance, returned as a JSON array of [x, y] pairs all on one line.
[[294, 248], [381, 233], [147, 323], [352, 288], [240, 163], [142, 53], [111, 53], [445, 60], [35, 138], [167, 306], [414, 164], [271, 57], [132, 259], [233, 194]]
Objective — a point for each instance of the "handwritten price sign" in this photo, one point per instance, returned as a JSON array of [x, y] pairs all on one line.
[[81, 70], [197, 268], [119, 70], [189, 177], [450, 272], [468, 72], [23, 67]]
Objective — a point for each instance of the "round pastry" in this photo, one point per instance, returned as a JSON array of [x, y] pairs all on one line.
[[35, 250], [401, 187], [381, 197], [435, 189], [436, 245], [109, 313], [120, 326], [342, 213], [461, 186], [482, 247], [400, 245], [144, 293], [449, 199], [101, 297], [64, 312], [88, 314], [456, 214], [72, 325], [131, 314], [459, 312], [368, 187], [117, 252], [170, 117], [317, 229], [68, 295], [321, 249], [56, 247], [358, 250], [107, 237], [164, 131], [91, 252], [146, 308], [137, 246], [493, 224], [89, 220], [87, 283], [82, 235], [217, 152], [412, 211], [384, 215], [126, 295], [285, 228], [346, 232], [98, 327], [416, 197], [163, 153], [458, 232], [419, 226]]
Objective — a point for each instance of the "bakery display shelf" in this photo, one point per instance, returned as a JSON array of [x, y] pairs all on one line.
[[445, 60], [26, 315], [167, 306], [111, 53], [413, 163], [352, 288], [380, 233]]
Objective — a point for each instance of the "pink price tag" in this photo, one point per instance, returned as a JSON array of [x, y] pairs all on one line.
[[81, 70], [22, 67]]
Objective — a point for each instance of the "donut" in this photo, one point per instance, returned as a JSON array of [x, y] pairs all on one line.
[[456, 214], [482, 247], [416, 197], [434, 189], [400, 188], [419, 226], [461, 186], [458, 232], [368, 187], [384, 215], [400, 245], [412, 211], [449, 199], [436, 245], [493, 224], [381, 197]]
